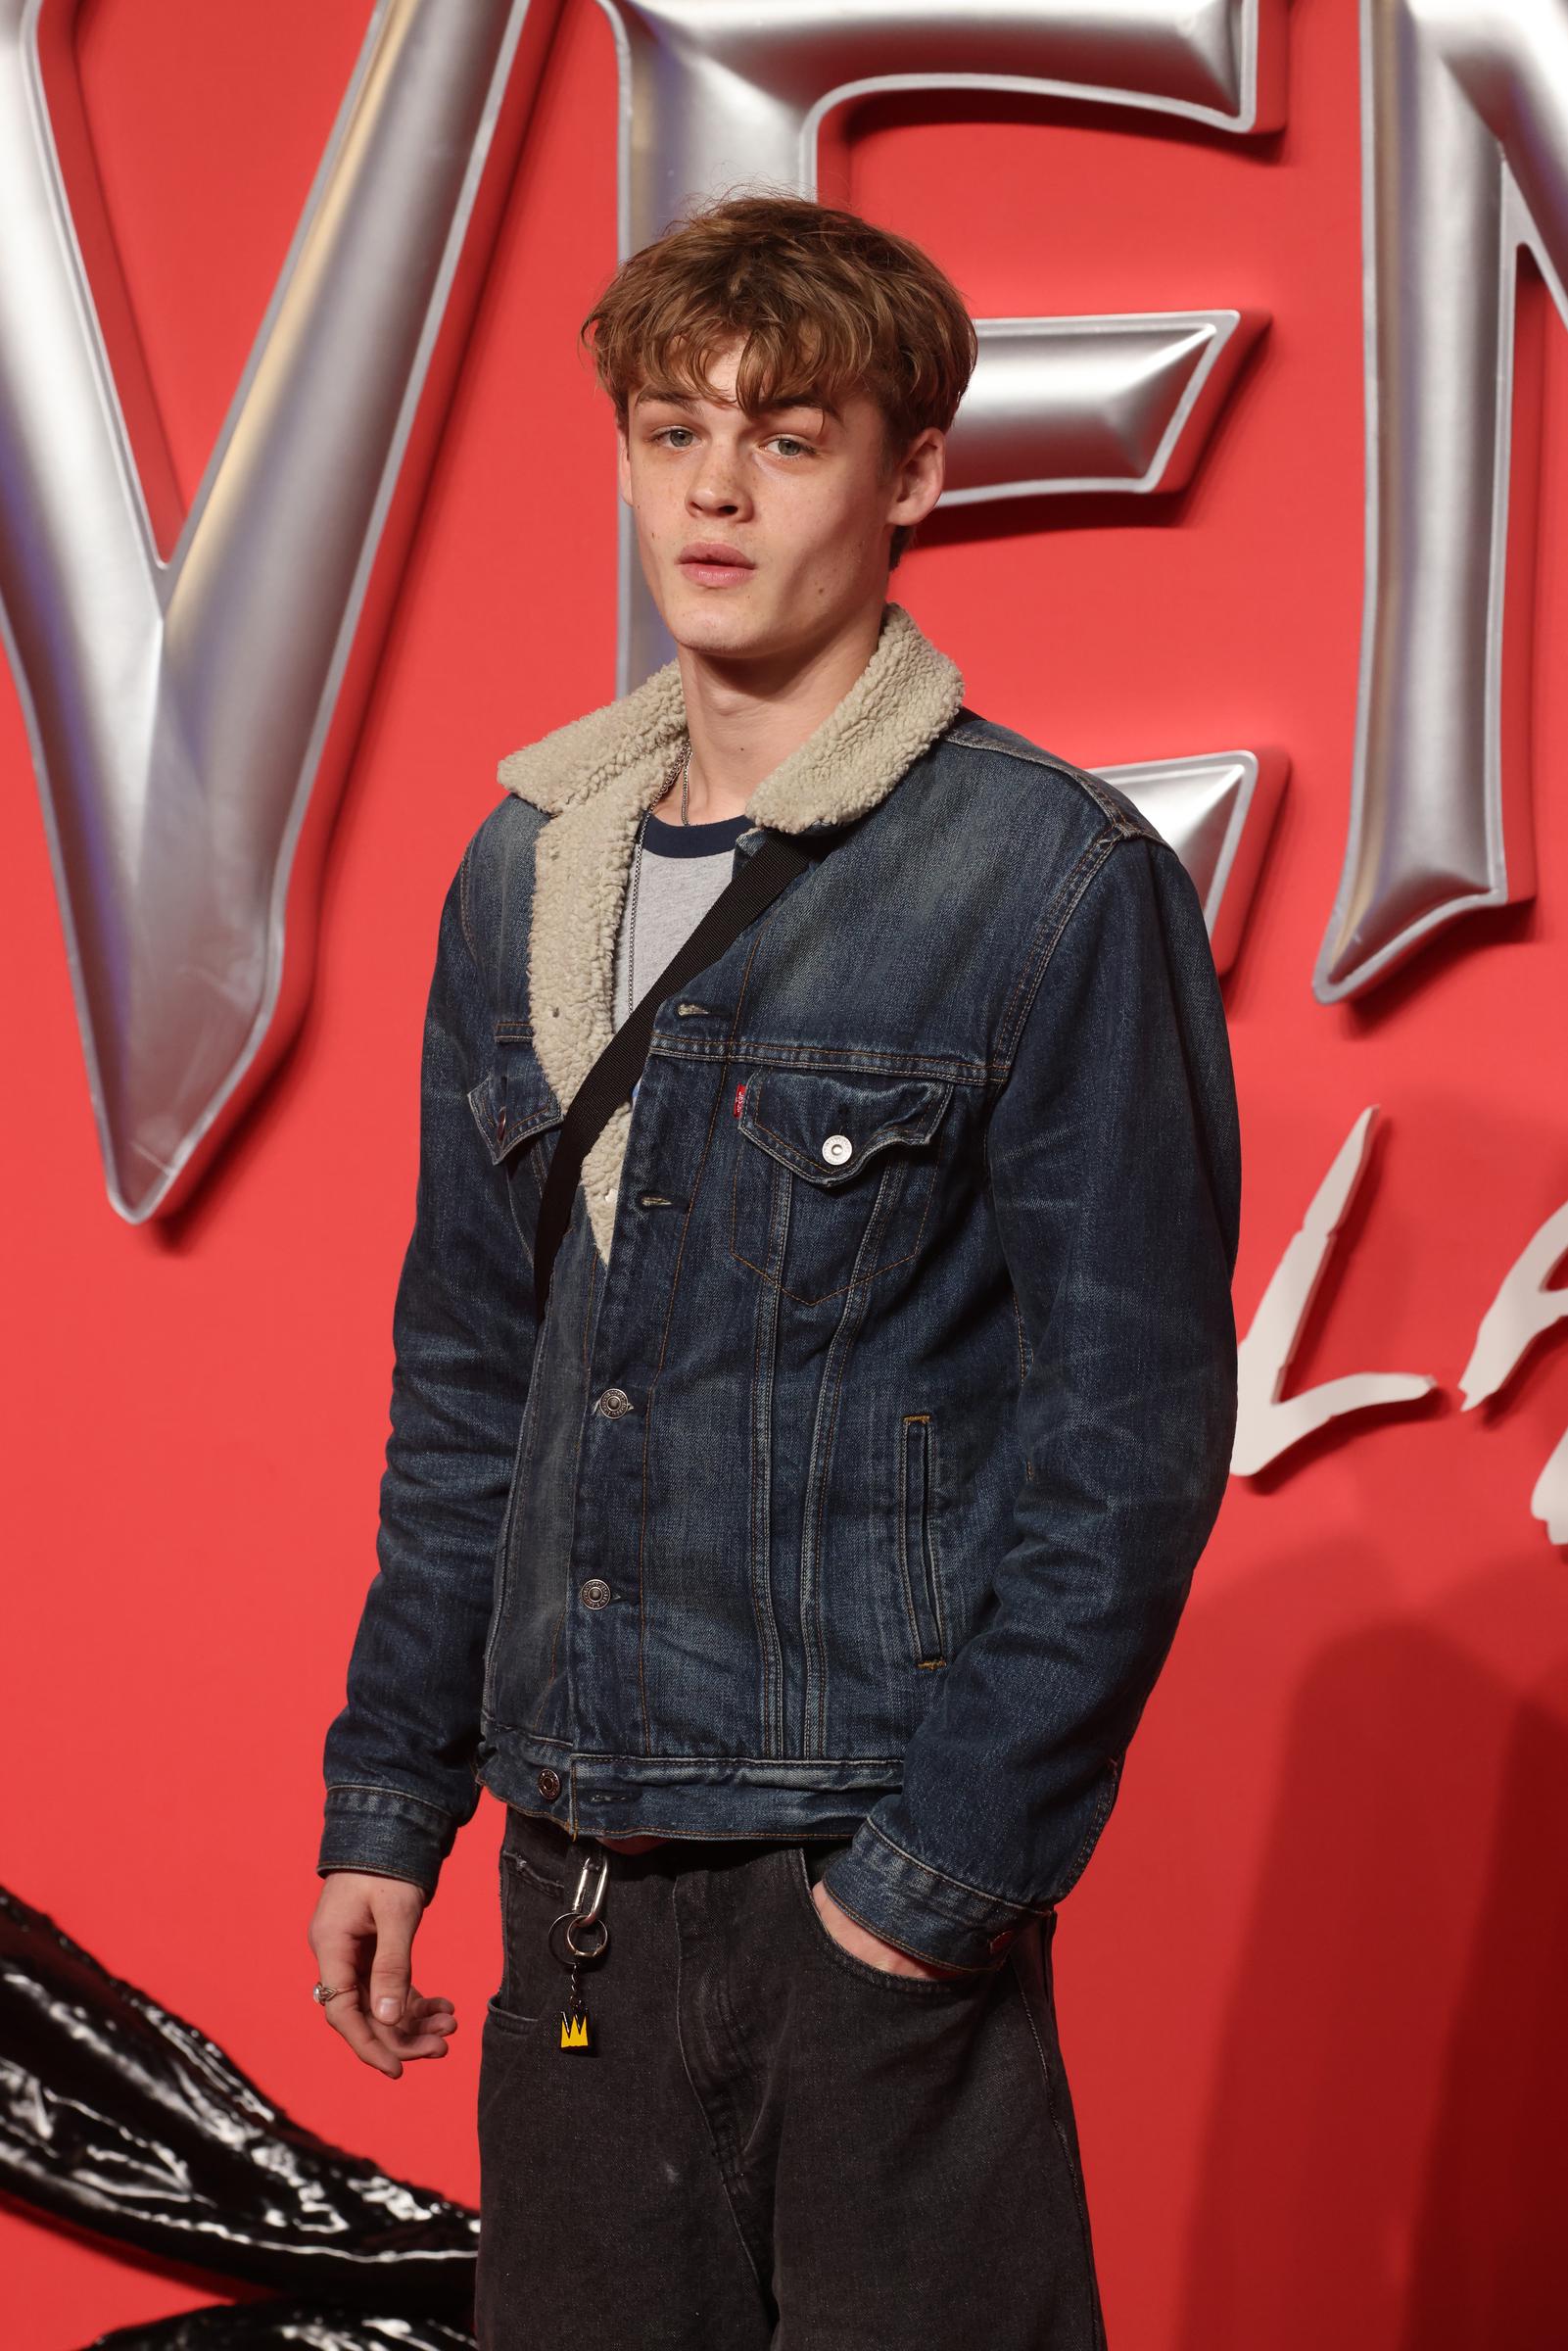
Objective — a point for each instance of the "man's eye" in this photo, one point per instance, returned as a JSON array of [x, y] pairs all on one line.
[[793, 441]]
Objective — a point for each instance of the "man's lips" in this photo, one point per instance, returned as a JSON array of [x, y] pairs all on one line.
[[713, 557], [709, 573]]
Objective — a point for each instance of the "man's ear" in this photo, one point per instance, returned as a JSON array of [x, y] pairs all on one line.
[[623, 463], [920, 476]]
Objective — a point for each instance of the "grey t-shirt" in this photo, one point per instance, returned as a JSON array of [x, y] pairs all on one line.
[[683, 870]]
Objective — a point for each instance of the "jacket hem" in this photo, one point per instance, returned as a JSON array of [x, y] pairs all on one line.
[[597, 1794]]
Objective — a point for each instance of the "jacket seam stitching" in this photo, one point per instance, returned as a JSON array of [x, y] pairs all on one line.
[[464, 869], [1056, 767], [1060, 913], [370, 1788], [604, 1754]]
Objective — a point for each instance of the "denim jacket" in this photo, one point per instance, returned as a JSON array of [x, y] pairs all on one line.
[[854, 1481]]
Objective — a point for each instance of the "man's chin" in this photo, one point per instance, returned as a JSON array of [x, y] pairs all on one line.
[[703, 629]]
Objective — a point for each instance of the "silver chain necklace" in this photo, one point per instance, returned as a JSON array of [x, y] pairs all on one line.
[[636, 862]]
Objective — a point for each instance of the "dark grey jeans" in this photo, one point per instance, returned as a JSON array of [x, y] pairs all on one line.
[[769, 2145]]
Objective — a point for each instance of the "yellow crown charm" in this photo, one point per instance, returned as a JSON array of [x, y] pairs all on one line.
[[587, 1902]]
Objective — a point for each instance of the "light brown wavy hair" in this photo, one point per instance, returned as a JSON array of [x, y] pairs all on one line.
[[829, 305]]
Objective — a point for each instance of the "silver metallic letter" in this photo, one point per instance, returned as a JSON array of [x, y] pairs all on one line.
[[1524, 1309], [190, 720], [1266, 1425], [1464, 125]]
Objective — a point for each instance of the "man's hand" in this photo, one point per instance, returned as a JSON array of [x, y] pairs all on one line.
[[860, 1943], [362, 1937], [857, 1940]]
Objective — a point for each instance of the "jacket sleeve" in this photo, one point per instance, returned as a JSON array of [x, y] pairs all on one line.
[[1114, 1172], [397, 1758]]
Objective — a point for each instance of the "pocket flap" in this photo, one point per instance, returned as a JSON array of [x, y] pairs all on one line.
[[513, 1101], [825, 1125]]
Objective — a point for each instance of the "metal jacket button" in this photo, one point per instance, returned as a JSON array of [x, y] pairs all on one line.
[[613, 1401], [595, 1593], [549, 1782], [836, 1149]]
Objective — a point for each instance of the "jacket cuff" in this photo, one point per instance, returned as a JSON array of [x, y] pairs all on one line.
[[924, 1912], [385, 1832]]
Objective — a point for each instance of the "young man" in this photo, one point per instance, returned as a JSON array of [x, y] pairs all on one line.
[[839, 1512]]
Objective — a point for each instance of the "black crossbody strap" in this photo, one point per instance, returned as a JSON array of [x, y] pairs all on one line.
[[610, 1080]]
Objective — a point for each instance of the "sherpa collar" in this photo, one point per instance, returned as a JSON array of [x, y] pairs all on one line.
[[596, 775]]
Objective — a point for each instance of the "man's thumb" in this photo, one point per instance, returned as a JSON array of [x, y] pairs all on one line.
[[388, 1977]]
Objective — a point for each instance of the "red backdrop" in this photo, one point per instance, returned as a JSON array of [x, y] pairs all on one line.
[[1309, 1987]]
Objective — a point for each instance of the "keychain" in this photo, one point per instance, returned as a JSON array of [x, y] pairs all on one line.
[[574, 2016]]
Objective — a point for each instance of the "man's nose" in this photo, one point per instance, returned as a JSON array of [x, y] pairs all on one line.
[[718, 483]]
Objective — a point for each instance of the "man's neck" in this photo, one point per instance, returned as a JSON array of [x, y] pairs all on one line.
[[745, 717]]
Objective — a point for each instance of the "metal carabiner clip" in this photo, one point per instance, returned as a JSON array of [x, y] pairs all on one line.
[[587, 1902], [592, 1863]]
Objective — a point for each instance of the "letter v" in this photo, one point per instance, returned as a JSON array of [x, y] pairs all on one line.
[[191, 721]]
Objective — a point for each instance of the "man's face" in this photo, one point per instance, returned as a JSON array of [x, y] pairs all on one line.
[[799, 491]]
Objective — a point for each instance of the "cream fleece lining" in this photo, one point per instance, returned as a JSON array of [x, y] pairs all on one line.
[[595, 776]]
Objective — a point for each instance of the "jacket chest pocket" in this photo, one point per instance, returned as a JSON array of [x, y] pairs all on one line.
[[832, 1175], [516, 1113]]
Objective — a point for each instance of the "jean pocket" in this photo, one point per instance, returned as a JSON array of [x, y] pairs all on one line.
[[819, 1853], [534, 1865], [883, 1978], [541, 1849]]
